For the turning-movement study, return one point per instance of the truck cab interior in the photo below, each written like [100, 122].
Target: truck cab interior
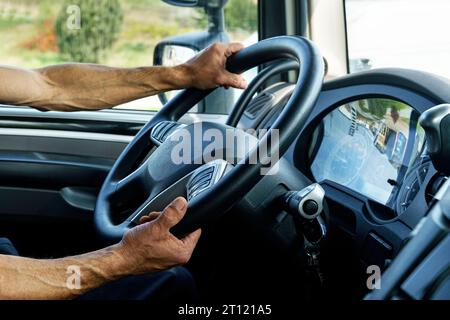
[359, 204]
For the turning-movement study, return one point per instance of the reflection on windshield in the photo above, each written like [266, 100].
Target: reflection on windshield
[365, 146]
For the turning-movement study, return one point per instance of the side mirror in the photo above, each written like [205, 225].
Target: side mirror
[183, 3]
[173, 55]
[360, 64]
[198, 3]
[170, 55]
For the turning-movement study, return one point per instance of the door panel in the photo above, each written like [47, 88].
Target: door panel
[52, 166]
[73, 143]
[49, 180]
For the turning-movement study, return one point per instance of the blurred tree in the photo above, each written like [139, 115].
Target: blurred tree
[378, 107]
[100, 22]
[240, 15]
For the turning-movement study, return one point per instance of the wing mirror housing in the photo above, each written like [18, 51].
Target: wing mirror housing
[198, 3]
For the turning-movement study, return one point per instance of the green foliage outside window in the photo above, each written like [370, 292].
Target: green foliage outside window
[240, 15]
[99, 27]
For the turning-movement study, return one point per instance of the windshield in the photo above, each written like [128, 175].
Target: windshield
[399, 33]
[118, 33]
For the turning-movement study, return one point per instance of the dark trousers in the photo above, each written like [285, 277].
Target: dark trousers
[171, 287]
[6, 247]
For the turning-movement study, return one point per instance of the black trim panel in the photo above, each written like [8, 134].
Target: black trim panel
[51, 171]
[431, 86]
[119, 122]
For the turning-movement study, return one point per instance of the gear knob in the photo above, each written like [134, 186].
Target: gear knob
[436, 123]
[307, 204]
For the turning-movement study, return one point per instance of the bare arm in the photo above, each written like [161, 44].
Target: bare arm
[73, 87]
[147, 248]
[23, 278]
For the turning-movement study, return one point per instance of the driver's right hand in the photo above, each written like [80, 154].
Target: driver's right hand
[150, 247]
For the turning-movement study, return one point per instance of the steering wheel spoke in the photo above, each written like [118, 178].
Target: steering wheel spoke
[190, 186]
[134, 180]
[128, 189]
[163, 130]
[160, 201]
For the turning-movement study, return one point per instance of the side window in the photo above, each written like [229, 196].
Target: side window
[119, 33]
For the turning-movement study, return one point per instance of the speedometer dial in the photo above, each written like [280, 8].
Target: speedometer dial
[365, 148]
[347, 159]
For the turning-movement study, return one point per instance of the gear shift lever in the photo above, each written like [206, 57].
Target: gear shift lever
[436, 122]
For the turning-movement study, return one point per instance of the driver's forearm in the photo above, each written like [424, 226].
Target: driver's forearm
[73, 87]
[23, 278]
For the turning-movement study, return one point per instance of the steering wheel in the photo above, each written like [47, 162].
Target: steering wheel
[214, 186]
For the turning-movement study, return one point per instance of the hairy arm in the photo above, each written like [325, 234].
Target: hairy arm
[72, 87]
[149, 247]
[23, 278]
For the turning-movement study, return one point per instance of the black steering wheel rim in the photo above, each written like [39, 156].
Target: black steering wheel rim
[205, 208]
[264, 75]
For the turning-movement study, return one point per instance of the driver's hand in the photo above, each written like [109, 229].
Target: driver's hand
[150, 247]
[208, 71]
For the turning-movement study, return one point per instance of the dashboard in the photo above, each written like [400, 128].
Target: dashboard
[364, 145]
